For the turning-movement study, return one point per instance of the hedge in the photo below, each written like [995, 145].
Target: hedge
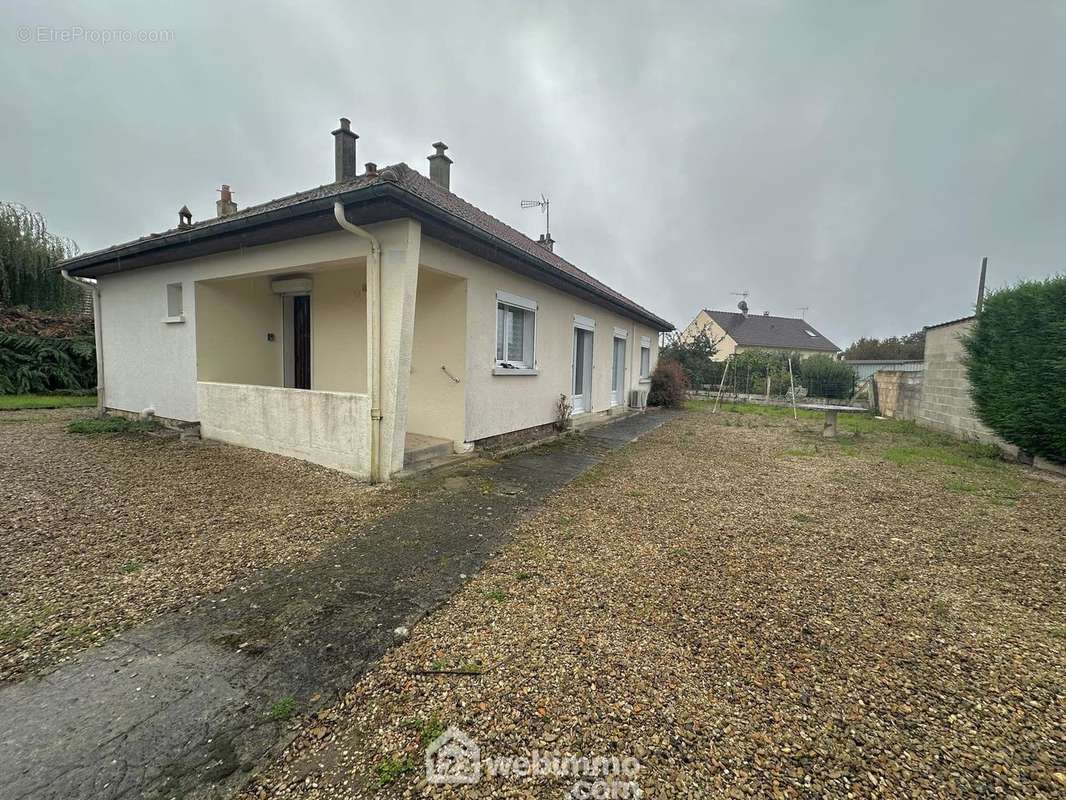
[1016, 362]
[36, 364]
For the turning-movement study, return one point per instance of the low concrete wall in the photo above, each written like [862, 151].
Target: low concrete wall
[946, 404]
[327, 428]
[899, 393]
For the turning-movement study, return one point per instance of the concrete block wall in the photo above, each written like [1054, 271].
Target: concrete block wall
[945, 394]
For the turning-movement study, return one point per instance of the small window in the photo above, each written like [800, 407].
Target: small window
[645, 357]
[175, 306]
[812, 334]
[515, 334]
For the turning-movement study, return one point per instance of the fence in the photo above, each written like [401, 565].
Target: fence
[766, 377]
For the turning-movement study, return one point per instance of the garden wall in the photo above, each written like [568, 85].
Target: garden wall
[899, 393]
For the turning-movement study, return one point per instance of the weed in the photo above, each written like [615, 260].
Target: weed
[634, 493]
[131, 567]
[13, 634]
[523, 576]
[803, 518]
[391, 768]
[799, 452]
[498, 595]
[487, 485]
[282, 709]
[111, 425]
[958, 485]
[428, 729]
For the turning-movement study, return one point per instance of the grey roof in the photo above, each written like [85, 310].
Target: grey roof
[404, 177]
[760, 330]
[950, 322]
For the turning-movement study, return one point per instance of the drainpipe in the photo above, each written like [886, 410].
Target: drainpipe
[94, 287]
[373, 311]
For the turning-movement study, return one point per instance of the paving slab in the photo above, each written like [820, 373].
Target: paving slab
[189, 704]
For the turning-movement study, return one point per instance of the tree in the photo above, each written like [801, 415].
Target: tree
[28, 256]
[1016, 363]
[696, 357]
[909, 347]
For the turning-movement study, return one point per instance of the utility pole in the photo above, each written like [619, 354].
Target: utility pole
[981, 284]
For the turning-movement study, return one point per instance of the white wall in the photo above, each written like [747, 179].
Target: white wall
[327, 428]
[149, 363]
[498, 404]
[436, 403]
[338, 329]
[234, 320]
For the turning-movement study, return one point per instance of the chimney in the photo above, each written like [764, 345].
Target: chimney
[371, 169]
[344, 150]
[225, 204]
[184, 217]
[440, 166]
[547, 242]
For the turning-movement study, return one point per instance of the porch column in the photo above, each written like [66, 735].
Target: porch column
[400, 245]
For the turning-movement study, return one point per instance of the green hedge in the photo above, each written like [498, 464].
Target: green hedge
[1016, 361]
[35, 364]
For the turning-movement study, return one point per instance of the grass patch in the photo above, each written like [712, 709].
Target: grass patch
[803, 518]
[523, 576]
[392, 768]
[959, 485]
[427, 729]
[965, 455]
[282, 709]
[130, 568]
[13, 634]
[111, 425]
[499, 595]
[13, 402]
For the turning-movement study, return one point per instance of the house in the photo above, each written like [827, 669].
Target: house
[733, 332]
[347, 324]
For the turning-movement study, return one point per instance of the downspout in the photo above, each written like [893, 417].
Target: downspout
[94, 287]
[373, 311]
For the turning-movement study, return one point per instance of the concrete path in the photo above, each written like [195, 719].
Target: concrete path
[181, 707]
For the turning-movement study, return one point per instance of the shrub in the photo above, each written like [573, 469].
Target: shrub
[37, 364]
[696, 357]
[822, 376]
[668, 385]
[1016, 362]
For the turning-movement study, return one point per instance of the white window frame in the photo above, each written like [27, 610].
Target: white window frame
[174, 312]
[507, 367]
[645, 344]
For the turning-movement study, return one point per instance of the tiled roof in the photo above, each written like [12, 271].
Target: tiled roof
[425, 189]
[760, 330]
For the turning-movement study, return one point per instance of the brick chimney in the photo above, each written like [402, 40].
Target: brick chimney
[440, 166]
[344, 151]
[547, 242]
[225, 204]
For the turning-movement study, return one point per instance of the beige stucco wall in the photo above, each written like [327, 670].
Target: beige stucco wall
[234, 319]
[497, 404]
[436, 403]
[327, 428]
[338, 329]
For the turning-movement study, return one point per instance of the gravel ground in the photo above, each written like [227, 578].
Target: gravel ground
[100, 532]
[748, 611]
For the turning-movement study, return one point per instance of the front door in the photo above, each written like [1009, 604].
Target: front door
[301, 341]
[582, 370]
[618, 372]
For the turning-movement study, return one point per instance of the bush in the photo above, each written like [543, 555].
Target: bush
[38, 364]
[823, 376]
[668, 385]
[696, 357]
[1016, 362]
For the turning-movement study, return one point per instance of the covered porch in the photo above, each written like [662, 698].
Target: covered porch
[285, 362]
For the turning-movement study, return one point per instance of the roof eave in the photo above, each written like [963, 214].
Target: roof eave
[316, 216]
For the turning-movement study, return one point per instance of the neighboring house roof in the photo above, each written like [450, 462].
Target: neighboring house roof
[760, 330]
[395, 190]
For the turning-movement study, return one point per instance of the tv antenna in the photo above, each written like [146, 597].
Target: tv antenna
[743, 304]
[542, 204]
[803, 311]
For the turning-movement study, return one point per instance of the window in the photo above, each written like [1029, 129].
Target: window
[175, 306]
[812, 334]
[515, 332]
[645, 357]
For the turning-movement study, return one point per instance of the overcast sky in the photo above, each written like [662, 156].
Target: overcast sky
[855, 157]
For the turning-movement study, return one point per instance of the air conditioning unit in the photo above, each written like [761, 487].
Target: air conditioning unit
[638, 398]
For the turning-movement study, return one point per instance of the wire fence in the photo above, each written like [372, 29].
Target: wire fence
[769, 376]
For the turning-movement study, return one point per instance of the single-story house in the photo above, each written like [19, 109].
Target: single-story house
[346, 324]
[733, 332]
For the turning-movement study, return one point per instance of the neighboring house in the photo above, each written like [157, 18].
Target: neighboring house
[733, 332]
[331, 324]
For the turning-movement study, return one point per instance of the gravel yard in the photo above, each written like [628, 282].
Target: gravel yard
[100, 532]
[748, 611]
